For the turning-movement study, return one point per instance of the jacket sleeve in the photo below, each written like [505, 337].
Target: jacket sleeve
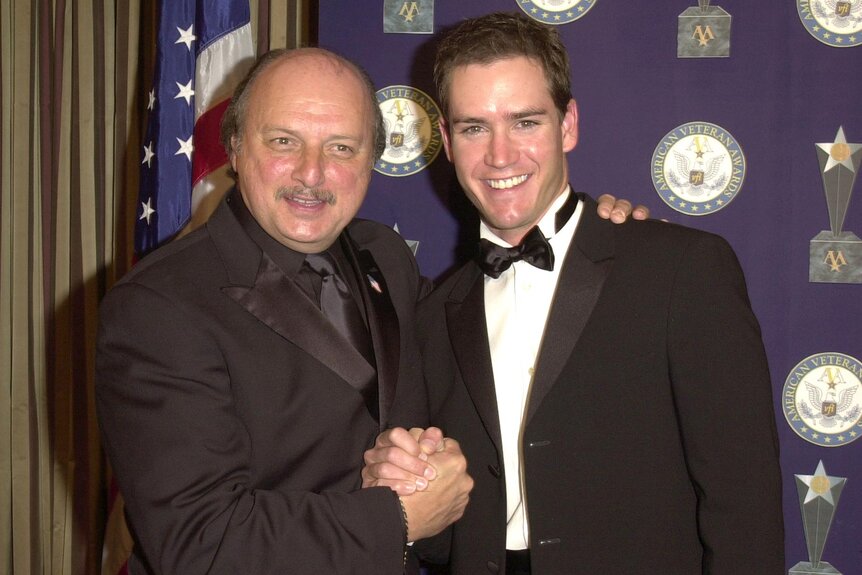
[181, 454]
[723, 397]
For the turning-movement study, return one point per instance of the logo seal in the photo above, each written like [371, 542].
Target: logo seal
[412, 121]
[698, 168]
[822, 400]
[836, 23]
[555, 11]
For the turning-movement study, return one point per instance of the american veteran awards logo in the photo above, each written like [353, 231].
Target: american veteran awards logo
[556, 11]
[698, 168]
[836, 23]
[412, 121]
[822, 400]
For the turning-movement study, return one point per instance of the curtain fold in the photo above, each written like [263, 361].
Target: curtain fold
[72, 108]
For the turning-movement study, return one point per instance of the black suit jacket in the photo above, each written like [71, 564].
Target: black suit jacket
[649, 444]
[228, 413]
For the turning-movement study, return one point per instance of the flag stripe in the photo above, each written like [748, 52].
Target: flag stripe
[209, 153]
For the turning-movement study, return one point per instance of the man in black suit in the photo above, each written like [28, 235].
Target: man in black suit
[234, 410]
[608, 384]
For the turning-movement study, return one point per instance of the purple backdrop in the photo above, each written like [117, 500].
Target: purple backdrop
[779, 93]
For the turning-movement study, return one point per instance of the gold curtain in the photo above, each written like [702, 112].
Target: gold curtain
[72, 78]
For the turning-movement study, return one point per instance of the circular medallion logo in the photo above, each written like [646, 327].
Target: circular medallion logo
[822, 400]
[836, 23]
[698, 168]
[555, 11]
[412, 121]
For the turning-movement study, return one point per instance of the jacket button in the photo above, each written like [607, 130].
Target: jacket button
[553, 541]
[495, 470]
[539, 443]
[493, 567]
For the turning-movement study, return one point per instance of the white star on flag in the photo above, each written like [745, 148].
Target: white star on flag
[186, 36]
[151, 103]
[185, 92]
[147, 210]
[186, 148]
[148, 155]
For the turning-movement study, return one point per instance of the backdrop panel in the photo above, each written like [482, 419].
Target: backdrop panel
[780, 92]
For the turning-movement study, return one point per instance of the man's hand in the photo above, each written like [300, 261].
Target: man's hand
[430, 511]
[430, 469]
[618, 211]
[399, 459]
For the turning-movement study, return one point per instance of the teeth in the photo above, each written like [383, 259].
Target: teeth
[507, 183]
[306, 201]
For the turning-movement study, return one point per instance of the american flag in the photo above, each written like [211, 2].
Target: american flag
[203, 51]
[204, 48]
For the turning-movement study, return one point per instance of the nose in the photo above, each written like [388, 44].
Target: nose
[501, 152]
[309, 168]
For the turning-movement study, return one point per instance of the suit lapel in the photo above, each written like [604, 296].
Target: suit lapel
[259, 286]
[586, 265]
[465, 319]
[277, 302]
[382, 322]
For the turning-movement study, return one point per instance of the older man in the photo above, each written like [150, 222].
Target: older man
[242, 370]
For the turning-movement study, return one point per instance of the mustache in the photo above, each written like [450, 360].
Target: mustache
[303, 193]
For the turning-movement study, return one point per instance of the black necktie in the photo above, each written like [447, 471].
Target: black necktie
[533, 249]
[339, 307]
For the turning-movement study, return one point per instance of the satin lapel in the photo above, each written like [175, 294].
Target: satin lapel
[587, 264]
[277, 302]
[382, 323]
[468, 333]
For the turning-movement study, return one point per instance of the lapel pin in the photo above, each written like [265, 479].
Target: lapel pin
[374, 284]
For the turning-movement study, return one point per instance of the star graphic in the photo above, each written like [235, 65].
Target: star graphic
[186, 36]
[821, 486]
[412, 244]
[408, 17]
[151, 103]
[840, 152]
[148, 155]
[147, 210]
[186, 148]
[185, 92]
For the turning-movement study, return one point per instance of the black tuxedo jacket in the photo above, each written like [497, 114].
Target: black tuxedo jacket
[649, 443]
[229, 415]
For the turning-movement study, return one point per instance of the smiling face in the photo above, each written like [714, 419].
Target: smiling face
[508, 143]
[304, 155]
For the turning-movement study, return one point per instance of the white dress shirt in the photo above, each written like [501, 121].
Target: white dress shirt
[516, 310]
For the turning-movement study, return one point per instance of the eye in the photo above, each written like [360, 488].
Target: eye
[526, 124]
[343, 150]
[281, 141]
[471, 130]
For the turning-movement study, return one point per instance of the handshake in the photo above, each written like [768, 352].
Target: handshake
[427, 471]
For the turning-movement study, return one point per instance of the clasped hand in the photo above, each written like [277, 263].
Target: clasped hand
[428, 471]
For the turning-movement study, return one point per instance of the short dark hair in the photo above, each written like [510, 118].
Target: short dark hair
[234, 116]
[498, 36]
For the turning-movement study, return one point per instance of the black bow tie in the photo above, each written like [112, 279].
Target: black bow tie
[533, 249]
